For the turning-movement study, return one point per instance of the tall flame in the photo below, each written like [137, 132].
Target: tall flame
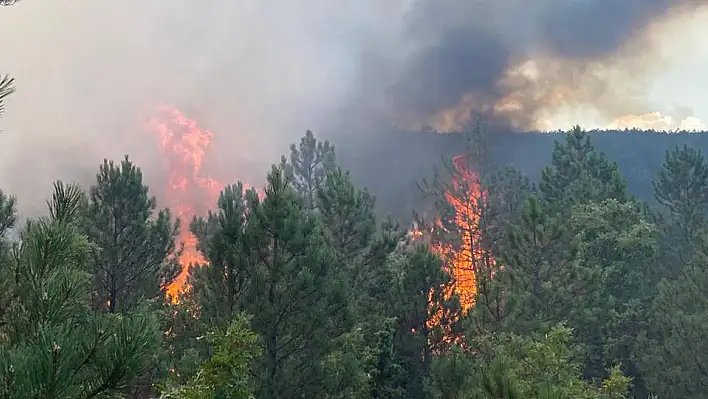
[188, 192]
[462, 258]
[466, 257]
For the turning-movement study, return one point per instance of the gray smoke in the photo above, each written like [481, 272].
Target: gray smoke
[259, 73]
[89, 73]
[469, 46]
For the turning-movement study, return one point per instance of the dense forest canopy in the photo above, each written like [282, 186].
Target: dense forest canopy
[562, 286]
[563, 265]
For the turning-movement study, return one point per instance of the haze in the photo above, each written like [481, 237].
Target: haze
[255, 73]
[259, 73]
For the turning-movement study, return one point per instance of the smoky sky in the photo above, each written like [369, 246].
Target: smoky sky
[258, 74]
[468, 46]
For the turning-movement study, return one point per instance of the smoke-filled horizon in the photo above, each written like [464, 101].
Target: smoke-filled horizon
[258, 74]
[517, 64]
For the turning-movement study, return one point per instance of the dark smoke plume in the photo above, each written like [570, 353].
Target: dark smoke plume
[469, 48]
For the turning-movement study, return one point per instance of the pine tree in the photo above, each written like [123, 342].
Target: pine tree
[428, 319]
[515, 366]
[672, 351]
[580, 174]
[137, 257]
[536, 261]
[299, 303]
[8, 220]
[506, 194]
[347, 214]
[307, 166]
[217, 288]
[347, 217]
[469, 228]
[214, 296]
[615, 282]
[594, 268]
[584, 252]
[452, 375]
[387, 376]
[226, 374]
[682, 186]
[682, 189]
[507, 191]
[54, 344]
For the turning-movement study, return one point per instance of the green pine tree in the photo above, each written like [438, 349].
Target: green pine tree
[8, 220]
[307, 166]
[580, 174]
[387, 375]
[226, 374]
[584, 252]
[218, 286]
[682, 189]
[419, 296]
[137, 257]
[348, 214]
[672, 351]
[514, 366]
[54, 344]
[615, 282]
[536, 261]
[299, 302]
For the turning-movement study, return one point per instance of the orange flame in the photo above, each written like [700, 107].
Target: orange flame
[184, 146]
[463, 259]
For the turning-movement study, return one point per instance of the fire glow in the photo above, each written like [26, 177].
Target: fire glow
[188, 192]
[465, 257]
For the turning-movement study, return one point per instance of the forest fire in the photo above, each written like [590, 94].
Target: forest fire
[464, 256]
[188, 192]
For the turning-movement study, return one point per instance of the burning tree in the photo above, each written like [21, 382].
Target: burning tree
[468, 226]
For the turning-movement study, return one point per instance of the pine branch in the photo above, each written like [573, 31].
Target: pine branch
[7, 83]
[66, 203]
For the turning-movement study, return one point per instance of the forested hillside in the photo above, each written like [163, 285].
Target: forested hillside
[569, 288]
[638, 153]
[478, 265]
[394, 161]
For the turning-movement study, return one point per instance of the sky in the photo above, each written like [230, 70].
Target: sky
[88, 72]
[678, 90]
[259, 73]
[684, 81]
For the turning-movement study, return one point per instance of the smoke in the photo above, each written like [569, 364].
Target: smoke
[259, 73]
[516, 63]
[89, 73]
